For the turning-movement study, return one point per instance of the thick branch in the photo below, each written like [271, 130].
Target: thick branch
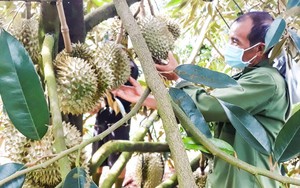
[125, 146]
[102, 13]
[59, 143]
[156, 85]
[198, 136]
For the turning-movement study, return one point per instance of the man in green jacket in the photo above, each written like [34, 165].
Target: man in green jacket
[262, 93]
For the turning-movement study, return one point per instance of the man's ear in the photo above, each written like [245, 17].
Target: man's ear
[260, 49]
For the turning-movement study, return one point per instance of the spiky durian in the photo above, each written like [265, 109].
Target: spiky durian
[42, 150]
[26, 31]
[111, 56]
[14, 142]
[77, 84]
[158, 38]
[149, 170]
[116, 30]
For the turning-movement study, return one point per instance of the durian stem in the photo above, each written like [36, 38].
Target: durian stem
[124, 146]
[142, 8]
[64, 153]
[119, 164]
[59, 143]
[155, 83]
[151, 8]
[64, 26]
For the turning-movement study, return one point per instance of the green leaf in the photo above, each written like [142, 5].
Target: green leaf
[274, 33]
[190, 143]
[187, 104]
[21, 90]
[292, 3]
[173, 3]
[7, 170]
[248, 127]
[277, 49]
[78, 178]
[287, 142]
[200, 75]
[295, 38]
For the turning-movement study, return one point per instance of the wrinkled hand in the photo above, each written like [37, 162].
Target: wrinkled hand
[129, 93]
[168, 69]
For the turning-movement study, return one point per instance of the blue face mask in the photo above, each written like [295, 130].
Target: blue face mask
[234, 56]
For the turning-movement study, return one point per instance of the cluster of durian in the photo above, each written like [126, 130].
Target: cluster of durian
[22, 150]
[160, 34]
[84, 76]
[149, 170]
[26, 31]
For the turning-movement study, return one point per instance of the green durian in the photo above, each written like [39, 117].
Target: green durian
[158, 38]
[113, 65]
[77, 85]
[26, 31]
[172, 25]
[149, 170]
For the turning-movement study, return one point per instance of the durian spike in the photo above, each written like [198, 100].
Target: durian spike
[64, 26]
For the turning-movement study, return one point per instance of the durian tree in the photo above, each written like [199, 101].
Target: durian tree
[65, 65]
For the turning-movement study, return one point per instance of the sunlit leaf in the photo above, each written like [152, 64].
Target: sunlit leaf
[7, 170]
[295, 38]
[292, 3]
[78, 178]
[21, 90]
[187, 104]
[200, 75]
[274, 33]
[248, 127]
[287, 142]
[190, 143]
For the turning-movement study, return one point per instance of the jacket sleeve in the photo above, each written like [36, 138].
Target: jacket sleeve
[254, 93]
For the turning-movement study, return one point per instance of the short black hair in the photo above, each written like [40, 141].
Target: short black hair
[261, 23]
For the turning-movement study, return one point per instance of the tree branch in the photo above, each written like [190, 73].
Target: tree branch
[102, 13]
[125, 146]
[59, 140]
[160, 93]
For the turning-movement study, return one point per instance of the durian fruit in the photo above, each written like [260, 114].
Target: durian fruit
[115, 30]
[26, 31]
[149, 170]
[14, 142]
[77, 85]
[113, 65]
[38, 152]
[173, 26]
[43, 150]
[158, 38]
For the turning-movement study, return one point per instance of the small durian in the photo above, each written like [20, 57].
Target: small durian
[26, 31]
[111, 56]
[115, 30]
[157, 36]
[77, 85]
[149, 170]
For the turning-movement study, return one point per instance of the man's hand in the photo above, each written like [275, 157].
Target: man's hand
[168, 69]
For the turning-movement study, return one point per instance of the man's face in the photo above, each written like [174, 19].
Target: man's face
[238, 37]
